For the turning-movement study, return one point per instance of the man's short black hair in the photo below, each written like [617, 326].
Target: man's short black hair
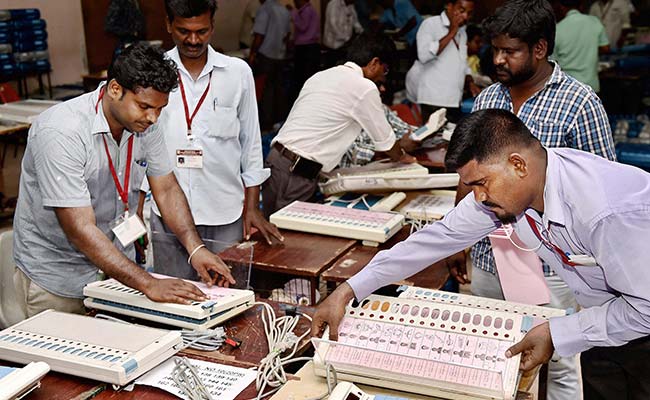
[527, 20]
[144, 66]
[368, 46]
[473, 31]
[485, 134]
[189, 8]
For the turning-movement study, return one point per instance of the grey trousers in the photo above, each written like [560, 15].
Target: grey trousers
[284, 187]
[169, 255]
[564, 380]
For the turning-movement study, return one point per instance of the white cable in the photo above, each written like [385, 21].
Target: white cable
[521, 248]
[282, 344]
[188, 380]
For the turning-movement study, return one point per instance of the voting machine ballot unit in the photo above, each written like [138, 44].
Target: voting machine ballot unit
[99, 349]
[419, 346]
[224, 303]
[16, 383]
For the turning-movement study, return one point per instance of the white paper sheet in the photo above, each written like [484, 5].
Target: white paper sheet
[223, 381]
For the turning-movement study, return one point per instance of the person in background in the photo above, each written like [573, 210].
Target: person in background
[306, 31]
[474, 45]
[401, 15]
[615, 16]
[341, 23]
[247, 21]
[75, 209]
[268, 57]
[217, 96]
[333, 107]
[579, 39]
[560, 112]
[440, 72]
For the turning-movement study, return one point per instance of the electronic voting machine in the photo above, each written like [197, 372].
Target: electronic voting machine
[16, 383]
[93, 348]
[432, 343]
[224, 303]
[372, 227]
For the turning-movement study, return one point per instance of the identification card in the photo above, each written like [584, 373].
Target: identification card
[128, 228]
[189, 158]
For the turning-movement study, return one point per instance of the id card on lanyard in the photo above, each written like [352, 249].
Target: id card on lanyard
[127, 227]
[191, 156]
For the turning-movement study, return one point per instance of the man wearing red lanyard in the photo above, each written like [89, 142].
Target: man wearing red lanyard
[75, 209]
[212, 134]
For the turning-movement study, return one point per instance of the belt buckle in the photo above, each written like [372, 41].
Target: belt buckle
[295, 163]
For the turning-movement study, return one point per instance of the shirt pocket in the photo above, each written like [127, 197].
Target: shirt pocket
[550, 133]
[138, 172]
[223, 123]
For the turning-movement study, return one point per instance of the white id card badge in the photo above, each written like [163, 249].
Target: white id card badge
[128, 228]
[189, 158]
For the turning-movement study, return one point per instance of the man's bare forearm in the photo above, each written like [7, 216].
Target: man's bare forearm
[81, 230]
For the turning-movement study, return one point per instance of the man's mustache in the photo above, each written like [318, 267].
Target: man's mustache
[490, 204]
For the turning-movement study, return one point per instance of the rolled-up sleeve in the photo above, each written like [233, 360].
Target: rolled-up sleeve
[428, 39]
[60, 161]
[158, 161]
[620, 246]
[252, 168]
[461, 228]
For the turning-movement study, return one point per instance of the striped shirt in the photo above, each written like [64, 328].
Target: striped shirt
[565, 113]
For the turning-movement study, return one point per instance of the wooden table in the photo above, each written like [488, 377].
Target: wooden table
[359, 256]
[301, 254]
[246, 327]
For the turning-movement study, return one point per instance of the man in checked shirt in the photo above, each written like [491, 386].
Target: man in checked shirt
[560, 112]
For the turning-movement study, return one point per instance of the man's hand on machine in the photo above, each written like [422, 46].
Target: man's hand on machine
[330, 312]
[536, 347]
[211, 268]
[173, 291]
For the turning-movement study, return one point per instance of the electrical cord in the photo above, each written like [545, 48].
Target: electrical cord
[187, 378]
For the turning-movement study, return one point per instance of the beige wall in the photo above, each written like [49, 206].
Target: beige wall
[228, 20]
[65, 36]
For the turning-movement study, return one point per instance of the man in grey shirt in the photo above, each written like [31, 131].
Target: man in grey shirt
[84, 161]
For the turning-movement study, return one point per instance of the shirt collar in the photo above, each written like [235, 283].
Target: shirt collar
[445, 18]
[354, 66]
[215, 60]
[572, 12]
[553, 191]
[100, 124]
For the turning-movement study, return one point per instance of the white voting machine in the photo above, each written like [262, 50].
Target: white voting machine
[384, 176]
[103, 350]
[419, 346]
[224, 303]
[372, 227]
[16, 383]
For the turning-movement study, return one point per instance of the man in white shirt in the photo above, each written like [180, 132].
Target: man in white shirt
[341, 23]
[331, 110]
[615, 15]
[440, 71]
[213, 136]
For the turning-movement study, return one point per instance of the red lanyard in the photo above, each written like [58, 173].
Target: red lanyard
[122, 191]
[188, 118]
[563, 256]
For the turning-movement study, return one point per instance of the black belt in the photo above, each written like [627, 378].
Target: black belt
[300, 166]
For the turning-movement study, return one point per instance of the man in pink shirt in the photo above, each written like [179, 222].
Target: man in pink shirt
[306, 26]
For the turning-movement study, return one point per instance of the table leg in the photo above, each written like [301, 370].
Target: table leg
[314, 285]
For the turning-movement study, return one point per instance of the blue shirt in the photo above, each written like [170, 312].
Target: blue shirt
[592, 207]
[399, 15]
[565, 113]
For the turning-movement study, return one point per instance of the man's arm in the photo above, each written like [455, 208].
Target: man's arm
[461, 227]
[410, 24]
[80, 228]
[259, 31]
[176, 213]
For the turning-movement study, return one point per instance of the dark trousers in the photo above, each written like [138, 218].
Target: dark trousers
[284, 187]
[617, 373]
[273, 104]
[307, 63]
[453, 113]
